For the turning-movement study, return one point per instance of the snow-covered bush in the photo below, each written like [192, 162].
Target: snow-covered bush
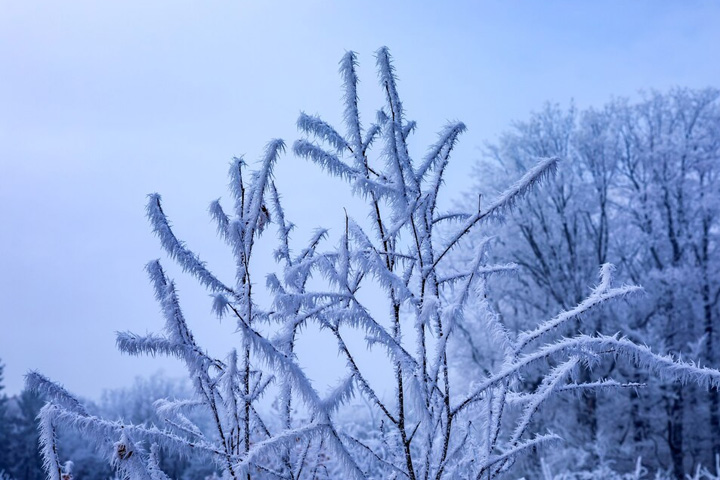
[427, 428]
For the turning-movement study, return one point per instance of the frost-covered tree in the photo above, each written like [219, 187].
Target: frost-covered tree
[22, 459]
[558, 236]
[428, 427]
[639, 188]
[670, 176]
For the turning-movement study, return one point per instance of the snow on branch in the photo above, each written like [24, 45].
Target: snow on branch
[665, 366]
[601, 294]
[176, 249]
[440, 151]
[517, 450]
[340, 395]
[221, 219]
[396, 149]
[54, 392]
[386, 73]
[328, 161]
[149, 344]
[154, 469]
[48, 441]
[588, 348]
[483, 271]
[255, 212]
[371, 136]
[351, 115]
[548, 386]
[165, 293]
[237, 185]
[542, 170]
[313, 125]
[371, 261]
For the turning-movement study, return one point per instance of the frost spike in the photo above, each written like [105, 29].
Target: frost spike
[177, 250]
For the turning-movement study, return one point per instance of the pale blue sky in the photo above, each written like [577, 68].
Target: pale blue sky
[104, 102]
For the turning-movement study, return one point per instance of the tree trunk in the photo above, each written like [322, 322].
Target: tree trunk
[675, 431]
[714, 397]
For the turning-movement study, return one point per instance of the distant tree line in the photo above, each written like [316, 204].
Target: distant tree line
[20, 458]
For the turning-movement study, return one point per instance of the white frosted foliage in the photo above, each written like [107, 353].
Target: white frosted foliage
[426, 426]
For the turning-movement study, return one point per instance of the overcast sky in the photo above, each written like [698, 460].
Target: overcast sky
[102, 102]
